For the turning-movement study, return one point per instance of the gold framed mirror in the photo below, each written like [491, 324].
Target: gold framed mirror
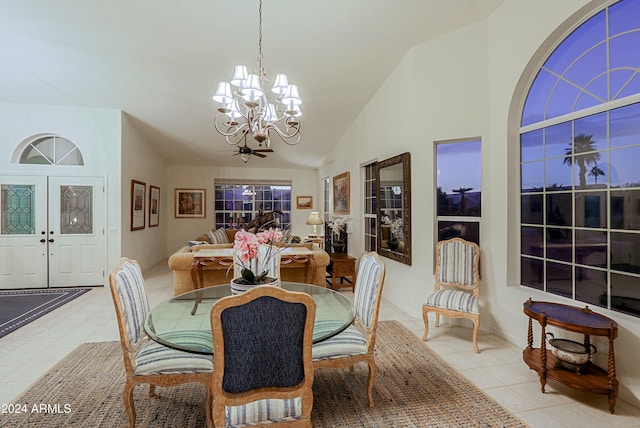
[393, 178]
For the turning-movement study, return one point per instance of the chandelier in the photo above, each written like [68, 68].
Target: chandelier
[247, 109]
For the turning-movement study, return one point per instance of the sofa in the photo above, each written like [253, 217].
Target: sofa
[181, 261]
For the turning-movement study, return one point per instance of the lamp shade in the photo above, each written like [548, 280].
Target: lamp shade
[252, 91]
[239, 76]
[280, 87]
[314, 219]
[292, 95]
[223, 94]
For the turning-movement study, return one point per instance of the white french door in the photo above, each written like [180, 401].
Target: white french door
[51, 232]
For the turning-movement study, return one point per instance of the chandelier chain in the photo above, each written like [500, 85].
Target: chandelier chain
[263, 74]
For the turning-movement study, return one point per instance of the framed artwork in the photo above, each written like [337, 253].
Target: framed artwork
[341, 193]
[304, 202]
[154, 206]
[190, 203]
[138, 189]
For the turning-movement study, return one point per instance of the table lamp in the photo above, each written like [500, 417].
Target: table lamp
[315, 220]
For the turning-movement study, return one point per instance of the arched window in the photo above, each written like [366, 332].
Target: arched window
[51, 150]
[579, 157]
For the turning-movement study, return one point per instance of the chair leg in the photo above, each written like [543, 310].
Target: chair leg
[437, 319]
[476, 328]
[425, 317]
[152, 390]
[127, 397]
[208, 412]
[371, 380]
[219, 415]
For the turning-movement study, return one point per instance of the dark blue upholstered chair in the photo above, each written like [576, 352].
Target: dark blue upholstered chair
[263, 370]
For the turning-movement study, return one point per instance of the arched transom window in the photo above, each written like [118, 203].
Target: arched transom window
[51, 150]
[579, 157]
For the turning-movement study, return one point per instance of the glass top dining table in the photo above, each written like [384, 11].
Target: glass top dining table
[183, 321]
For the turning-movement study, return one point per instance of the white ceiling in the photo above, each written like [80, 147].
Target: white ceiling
[160, 61]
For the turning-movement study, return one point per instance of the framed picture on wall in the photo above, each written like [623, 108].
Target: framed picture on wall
[190, 203]
[138, 189]
[304, 202]
[341, 193]
[154, 206]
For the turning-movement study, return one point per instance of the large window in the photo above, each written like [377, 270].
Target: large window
[579, 151]
[370, 208]
[236, 204]
[459, 189]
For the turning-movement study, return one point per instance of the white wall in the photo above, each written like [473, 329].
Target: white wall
[461, 85]
[96, 132]
[141, 162]
[180, 230]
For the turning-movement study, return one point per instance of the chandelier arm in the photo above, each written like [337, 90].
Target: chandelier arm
[239, 137]
[291, 132]
[221, 123]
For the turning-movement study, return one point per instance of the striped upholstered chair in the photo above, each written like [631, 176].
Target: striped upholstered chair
[262, 358]
[456, 288]
[146, 361]
[357, 342]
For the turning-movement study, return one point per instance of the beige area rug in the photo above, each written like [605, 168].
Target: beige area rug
[414, 388]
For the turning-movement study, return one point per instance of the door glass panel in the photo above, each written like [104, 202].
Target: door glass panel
[76, 210]
[18, 209]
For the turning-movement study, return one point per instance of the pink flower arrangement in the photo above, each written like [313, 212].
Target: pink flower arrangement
[246, 244]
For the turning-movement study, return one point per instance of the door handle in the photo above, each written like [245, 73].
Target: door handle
[51, 240]
[43, 240]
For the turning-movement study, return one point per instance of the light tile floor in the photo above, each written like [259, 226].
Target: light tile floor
[28, 353]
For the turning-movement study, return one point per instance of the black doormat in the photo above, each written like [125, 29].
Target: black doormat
[19, 307]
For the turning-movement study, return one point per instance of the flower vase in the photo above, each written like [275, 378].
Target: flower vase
[393, 245]
[238, 286]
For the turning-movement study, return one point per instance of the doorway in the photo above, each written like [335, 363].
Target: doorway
[51, 231]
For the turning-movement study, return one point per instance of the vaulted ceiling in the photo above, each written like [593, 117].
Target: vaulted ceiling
[159, 61]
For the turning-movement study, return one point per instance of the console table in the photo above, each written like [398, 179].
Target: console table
[592, 378]
[224, 257]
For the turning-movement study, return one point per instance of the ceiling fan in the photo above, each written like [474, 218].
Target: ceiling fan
[246, 151]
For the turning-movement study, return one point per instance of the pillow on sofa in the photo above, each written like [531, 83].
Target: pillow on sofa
[218, 237]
